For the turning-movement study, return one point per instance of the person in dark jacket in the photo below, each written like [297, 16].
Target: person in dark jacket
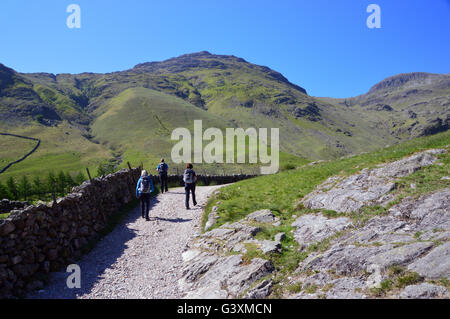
[143, 190]
[189, 178]
[162, 170]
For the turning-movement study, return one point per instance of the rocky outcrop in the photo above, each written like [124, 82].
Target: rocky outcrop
[369, 187]
[427, 213]
[435, 265]
[215, 265]
[413, 236]
[38, 239]
[314, 228]
[424, 291]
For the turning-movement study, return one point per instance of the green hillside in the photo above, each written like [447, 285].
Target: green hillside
[85, 119]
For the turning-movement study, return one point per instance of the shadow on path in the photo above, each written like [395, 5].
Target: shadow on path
[172, 220]
[94, 264]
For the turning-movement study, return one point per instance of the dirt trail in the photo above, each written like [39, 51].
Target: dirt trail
[138, 259]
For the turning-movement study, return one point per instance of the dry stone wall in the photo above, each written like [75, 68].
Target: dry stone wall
[42, 238]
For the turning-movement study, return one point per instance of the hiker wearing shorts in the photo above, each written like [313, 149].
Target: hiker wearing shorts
[162, 170]
[189, 178]
[143, 190]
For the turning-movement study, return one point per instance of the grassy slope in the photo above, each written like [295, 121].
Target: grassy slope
[12, 148]
[152, 116]
[62, 148]
[281, 193]
[222, 90]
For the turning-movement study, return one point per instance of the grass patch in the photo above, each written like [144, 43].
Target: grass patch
[294, 288]
[408, 278]
[385, 286]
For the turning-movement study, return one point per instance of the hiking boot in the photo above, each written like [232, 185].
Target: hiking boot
[195, 204]
[147, 219]
[187, 208]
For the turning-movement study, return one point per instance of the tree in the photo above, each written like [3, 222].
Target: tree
[4, 194]
[24, 188]
[61, 183]
[69, 182]
[51, 183]
[80, 178]
[12, 188]
[105, 168]
[38, 186]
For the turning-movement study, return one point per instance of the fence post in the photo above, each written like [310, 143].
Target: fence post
[53, 193]
[89, 174]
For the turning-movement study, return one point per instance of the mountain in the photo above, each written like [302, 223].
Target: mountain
[408, 105]
[85, 118]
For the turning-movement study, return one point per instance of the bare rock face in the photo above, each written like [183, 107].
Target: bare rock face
[369, 187]
[262, 216]
[344, 260]
[213, 270]
[226, 277]
[434, 265]
[429, 212]
[314, 228]
[424, 291]
[261, 290]
[400, 255]
[346, 288]
[414, 235]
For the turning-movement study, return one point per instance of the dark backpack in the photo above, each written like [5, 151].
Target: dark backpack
[145, 185]
[162, 168]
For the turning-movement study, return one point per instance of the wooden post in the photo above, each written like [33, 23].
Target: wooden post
[89, 174]
[53, 194]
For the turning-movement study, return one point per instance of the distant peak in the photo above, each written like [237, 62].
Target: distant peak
[412, 79]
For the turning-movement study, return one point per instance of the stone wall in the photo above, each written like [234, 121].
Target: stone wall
[7, 205]
[37, 239]
[43, 238]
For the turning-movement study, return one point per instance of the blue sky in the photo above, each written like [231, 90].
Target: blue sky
[321, 45]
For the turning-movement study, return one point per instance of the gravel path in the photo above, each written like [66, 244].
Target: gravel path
[138, 259]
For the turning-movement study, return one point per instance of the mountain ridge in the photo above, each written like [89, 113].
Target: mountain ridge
[224, 86]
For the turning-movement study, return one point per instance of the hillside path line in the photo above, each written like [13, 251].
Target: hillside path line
[139, 258]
